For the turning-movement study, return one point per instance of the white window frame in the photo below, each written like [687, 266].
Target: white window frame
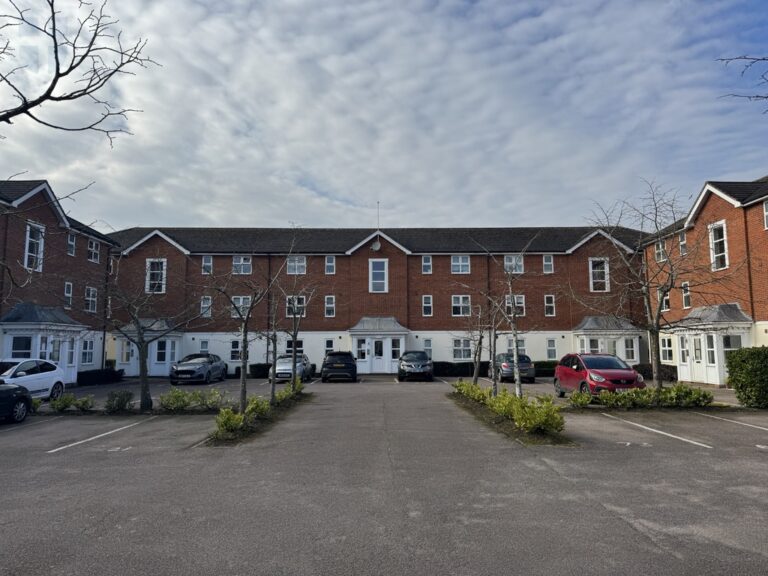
[300, 302]
[295, 265]
[25, 352]
[427, 344]
[660, 250]
[204, 346]
[519, 304]
[682, 242]
[34, 249]
[71, 351]
[665, 345]
[462, 349]
[234, 351]
[91, 299]
[462, 302]
[71, 244]
[714, 255]
[520, 346]
[206, 306]
[426, 264]
[94, 248]
[149, 282]
[206, 265]
[685, 288]
[68, 294]
[241, 303]
[299, 347]
[514, 263]
[86, 352]
[663, 300]
[765, 214]
[427, 308]
[549, 302]
[126, 351]
[607, 274]
[711, 353]
[330, 265]
[629, 350]
[551, 348]
[329, 344]
[161, 352]
[548, 264]
[461, 264]
[330, 306]
[371, 281]
[396, 348]
[242, 265]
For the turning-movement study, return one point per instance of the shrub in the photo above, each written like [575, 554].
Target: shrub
[682, 396]
[36, 402]
[580, 399]
[175, 400]
[472, 391]
[608, 399]
[105, 376]
[537, 415]
[643, 397]
[546, 367]
[85, 403]
[118, 401]
[259, 370]
[208, 399]
[228, 423]
[748, 376]
[63, 402]
[258, 408]
[677, 396]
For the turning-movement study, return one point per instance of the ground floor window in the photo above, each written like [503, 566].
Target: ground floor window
[629, 349]
[594, 346]
[234, 353]
[299, 347]
[428, 347]
[711, 349]
[203, 346]
[697, 349]
[161, 352]
[520, 345]
[362, 349]
[329, 345]
[684, 351]
[126, 354]
[71, 352]
[462, 348]
[666, 349]
[395, 348]
[551, 349]
[87, 352]
[21, 347]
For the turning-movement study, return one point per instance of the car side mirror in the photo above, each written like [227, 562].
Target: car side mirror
[19, 374]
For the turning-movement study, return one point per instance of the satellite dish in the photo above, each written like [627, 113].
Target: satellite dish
[376, 246]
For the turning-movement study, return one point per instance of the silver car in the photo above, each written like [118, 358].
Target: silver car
[505, 368]
[198, 368]
[283, 367]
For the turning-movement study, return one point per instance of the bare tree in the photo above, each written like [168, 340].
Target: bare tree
[298, 294]
[750, 65]
[85, 51]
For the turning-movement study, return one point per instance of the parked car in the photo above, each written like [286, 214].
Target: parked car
[41, 378]
[198, 367]
[339, 365]
[283, 367]
[415, 364]
[15, 402]
[594, 373]
[504, 364]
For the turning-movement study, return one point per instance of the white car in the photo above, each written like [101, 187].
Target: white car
[43, 379]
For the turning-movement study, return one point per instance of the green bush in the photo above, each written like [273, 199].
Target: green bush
[175, 400]
[211, 399]
[580, 399]
[258, 408]
[63, 402]
[84, 404]
[472, 391]
[228, 423]
[748, 376]
[546, 367]
[682, 396]
[118, 401]
[36, 403]
[677, 396]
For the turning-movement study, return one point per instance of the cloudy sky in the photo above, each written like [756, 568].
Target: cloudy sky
[448, 113]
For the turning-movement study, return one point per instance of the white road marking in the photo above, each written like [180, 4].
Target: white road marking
[761, 446]
[657, 431]
[443, 381]
[100, 435]
[28, 425]
[200, 443]
[732, 421]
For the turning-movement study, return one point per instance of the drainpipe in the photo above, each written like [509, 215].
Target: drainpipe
[104, 313]
[749, 267]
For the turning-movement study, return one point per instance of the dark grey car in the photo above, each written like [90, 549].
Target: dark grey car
[415, 364]
[505, 368]
[15, 402]
[198, 368]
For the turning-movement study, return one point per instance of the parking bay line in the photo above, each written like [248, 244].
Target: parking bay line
[47, 419]
[100, 435]
[657, 431]
[732, 421]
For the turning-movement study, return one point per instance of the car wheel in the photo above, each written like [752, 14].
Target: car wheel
[559, 392]
[19, 412]
[223, 375]
[584, 388]
[208, 377]
[56, 391]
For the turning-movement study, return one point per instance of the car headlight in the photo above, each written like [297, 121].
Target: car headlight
[640, 378]
[596, 377]
[174, 367]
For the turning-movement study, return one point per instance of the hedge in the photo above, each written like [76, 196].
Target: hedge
[546, 367]
[459, 368]
[259, 370]
[748, 376]
[668, 373]
[101, 376]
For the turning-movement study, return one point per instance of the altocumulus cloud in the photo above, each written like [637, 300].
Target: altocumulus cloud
[451, 113]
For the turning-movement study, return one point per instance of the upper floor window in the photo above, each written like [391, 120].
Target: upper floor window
[378, 275]
[661, 250]
[91, 299]
[686, 289]
[71, 244]
[519, 309]
[765, 214]
[513, 263]
[330, 265]
[460, 264]
[240, 305]
[206, 303]
[599, 279]
[426, 305]
[33, 252]
[426, 264]
[682, 241]
[296, 265]
[67, 295]
[207, 265]
[718, 245]
[666, 350]
[663, 300]
[295, 306]
[241, 265]
[154, 282]
[548, 264]
[461, 305]
[549, 305]
[93, 251]
[330, 306]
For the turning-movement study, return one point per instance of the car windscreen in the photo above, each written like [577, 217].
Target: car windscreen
[197, 360]
[194, 358]
[6, 367]
[338, 358]
[605, 363]
[522, 358]
[415, 357]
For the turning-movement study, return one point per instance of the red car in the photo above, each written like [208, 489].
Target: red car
[594, 373]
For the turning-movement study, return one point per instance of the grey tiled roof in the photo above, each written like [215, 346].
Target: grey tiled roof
[339, 240]
[716, 314]
[85, 229]
[613, 323]
[383, 324]
[744, 192]
[12, 190]
[29, 313]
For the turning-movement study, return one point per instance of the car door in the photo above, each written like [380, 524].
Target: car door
[569, 376]
[31, 379]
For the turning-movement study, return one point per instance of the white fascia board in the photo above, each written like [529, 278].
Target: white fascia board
[44, 187]
[706, 190]
[371, 237]
[602, 233]
[158, 233]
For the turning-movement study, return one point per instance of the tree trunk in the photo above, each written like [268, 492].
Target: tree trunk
[653, 344]
[293, 362]
[146, 397]
[516, 363]
[477, 356]
[273, 371]
[492, 365]
[243, 367]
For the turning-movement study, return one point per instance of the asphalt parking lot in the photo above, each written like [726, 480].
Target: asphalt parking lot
[379, 477]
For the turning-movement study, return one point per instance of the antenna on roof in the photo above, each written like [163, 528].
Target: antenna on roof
[378, 225]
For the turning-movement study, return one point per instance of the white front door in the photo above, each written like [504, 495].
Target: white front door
[379, 358]
[684, 367]
[698, 370]
[363, 356]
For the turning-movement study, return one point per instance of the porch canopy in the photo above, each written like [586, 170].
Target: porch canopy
[716, 316]
[383, 325]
